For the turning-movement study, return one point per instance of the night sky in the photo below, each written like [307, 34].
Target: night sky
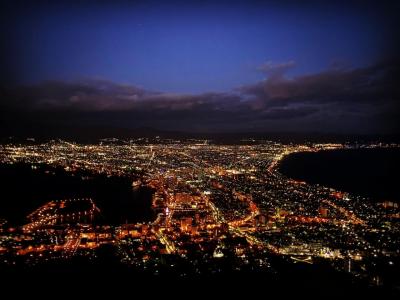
[199, 66]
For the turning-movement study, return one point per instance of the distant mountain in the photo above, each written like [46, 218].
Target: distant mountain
[92, 133]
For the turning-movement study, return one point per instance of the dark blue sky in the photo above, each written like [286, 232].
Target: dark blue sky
[193, 47]
[212, 66]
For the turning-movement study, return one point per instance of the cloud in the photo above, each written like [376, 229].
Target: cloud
[371, 84]
[91, 95]
[288, 113]
[276, 70]
[337, 99]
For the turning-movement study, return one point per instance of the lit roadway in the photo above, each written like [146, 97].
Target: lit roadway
[164, 240]
[351, 216]
[218, 217]
[252, 240]
[72, 243]
[254, 212]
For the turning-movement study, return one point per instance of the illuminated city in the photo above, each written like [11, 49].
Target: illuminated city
[240, 146]
[212, 203]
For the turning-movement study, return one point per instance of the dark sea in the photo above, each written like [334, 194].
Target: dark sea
[373, 173]
[23, 189]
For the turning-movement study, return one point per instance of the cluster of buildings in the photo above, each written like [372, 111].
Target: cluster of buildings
[219, 208]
